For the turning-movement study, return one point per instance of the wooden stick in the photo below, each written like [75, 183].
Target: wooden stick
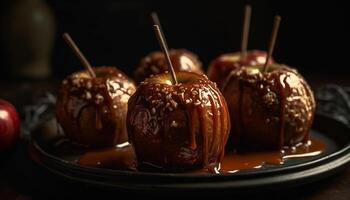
[245, 31]
[78, 53]
[275, 28]
[156, 21]
[164, 47]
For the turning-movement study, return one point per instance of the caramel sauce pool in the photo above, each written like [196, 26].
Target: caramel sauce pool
[234, 162]
[123, 158]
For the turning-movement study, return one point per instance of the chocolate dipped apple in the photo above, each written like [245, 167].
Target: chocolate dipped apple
[269, 109]
[178, 126]
[155, 63]
[92, 110]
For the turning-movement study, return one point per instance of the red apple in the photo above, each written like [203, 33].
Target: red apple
[9, 125]
[221, 67]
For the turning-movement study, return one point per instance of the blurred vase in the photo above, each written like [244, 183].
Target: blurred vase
[29, 30]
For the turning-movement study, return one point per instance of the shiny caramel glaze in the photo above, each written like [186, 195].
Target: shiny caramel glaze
[178, 127]
[234, 162]
[155, 63]
[92, 111]
[270, 109]
[121, 157]
[221, 67]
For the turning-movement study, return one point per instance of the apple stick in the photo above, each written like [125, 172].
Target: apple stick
[245, 30]
[164, 47]
[275, 28]
[79, 54]
[156, 21]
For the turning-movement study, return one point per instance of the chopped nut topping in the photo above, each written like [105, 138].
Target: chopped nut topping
[99, 98]
[88, 95]
[174, 124]
[173, 103]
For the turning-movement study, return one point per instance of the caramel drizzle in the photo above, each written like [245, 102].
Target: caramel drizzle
[215, 124]
[113, 114]
[240, 113]
[223, 88]
[310, 95]
[193, 142]
[223, 130]
[283, 100]
[204, 129]
[98, 119]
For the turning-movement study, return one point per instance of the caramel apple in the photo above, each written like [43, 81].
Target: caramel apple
[269, 109]
[92, 110]
[221, 67]
[155, 63]
[178, 126]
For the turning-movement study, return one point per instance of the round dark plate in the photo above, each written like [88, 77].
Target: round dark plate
[293, 172]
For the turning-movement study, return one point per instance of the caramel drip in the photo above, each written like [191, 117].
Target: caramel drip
[163, 147]
[204, 129]
[225, 129]
[227, 80]
[239, 123]
[282, 109]
[216, 124]
[222, 130]
[310, 95]
[98, 119]
[76, 116]
[114, 116]
[193, 142]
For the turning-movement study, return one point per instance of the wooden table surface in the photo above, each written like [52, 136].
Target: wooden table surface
[21, 179]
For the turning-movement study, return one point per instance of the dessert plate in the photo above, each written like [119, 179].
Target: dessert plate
[333, 133]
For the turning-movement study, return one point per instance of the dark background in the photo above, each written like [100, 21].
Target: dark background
[313, 36]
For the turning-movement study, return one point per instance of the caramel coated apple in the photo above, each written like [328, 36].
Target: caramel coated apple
[178, 127]
[269, 110]
[221, 67]
[155, 63]
[92, 111]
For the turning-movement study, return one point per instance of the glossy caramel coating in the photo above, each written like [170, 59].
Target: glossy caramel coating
[155, 63]
[92, 111]
[221, 67]
[270, 109]
[178, 127]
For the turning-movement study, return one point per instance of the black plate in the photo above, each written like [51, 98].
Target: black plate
[294, 172]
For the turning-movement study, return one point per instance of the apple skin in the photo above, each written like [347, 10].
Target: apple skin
[221, 67]
[269, 110]
[9, 125]
[178, 127]
[155, 63]
[92, 111]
